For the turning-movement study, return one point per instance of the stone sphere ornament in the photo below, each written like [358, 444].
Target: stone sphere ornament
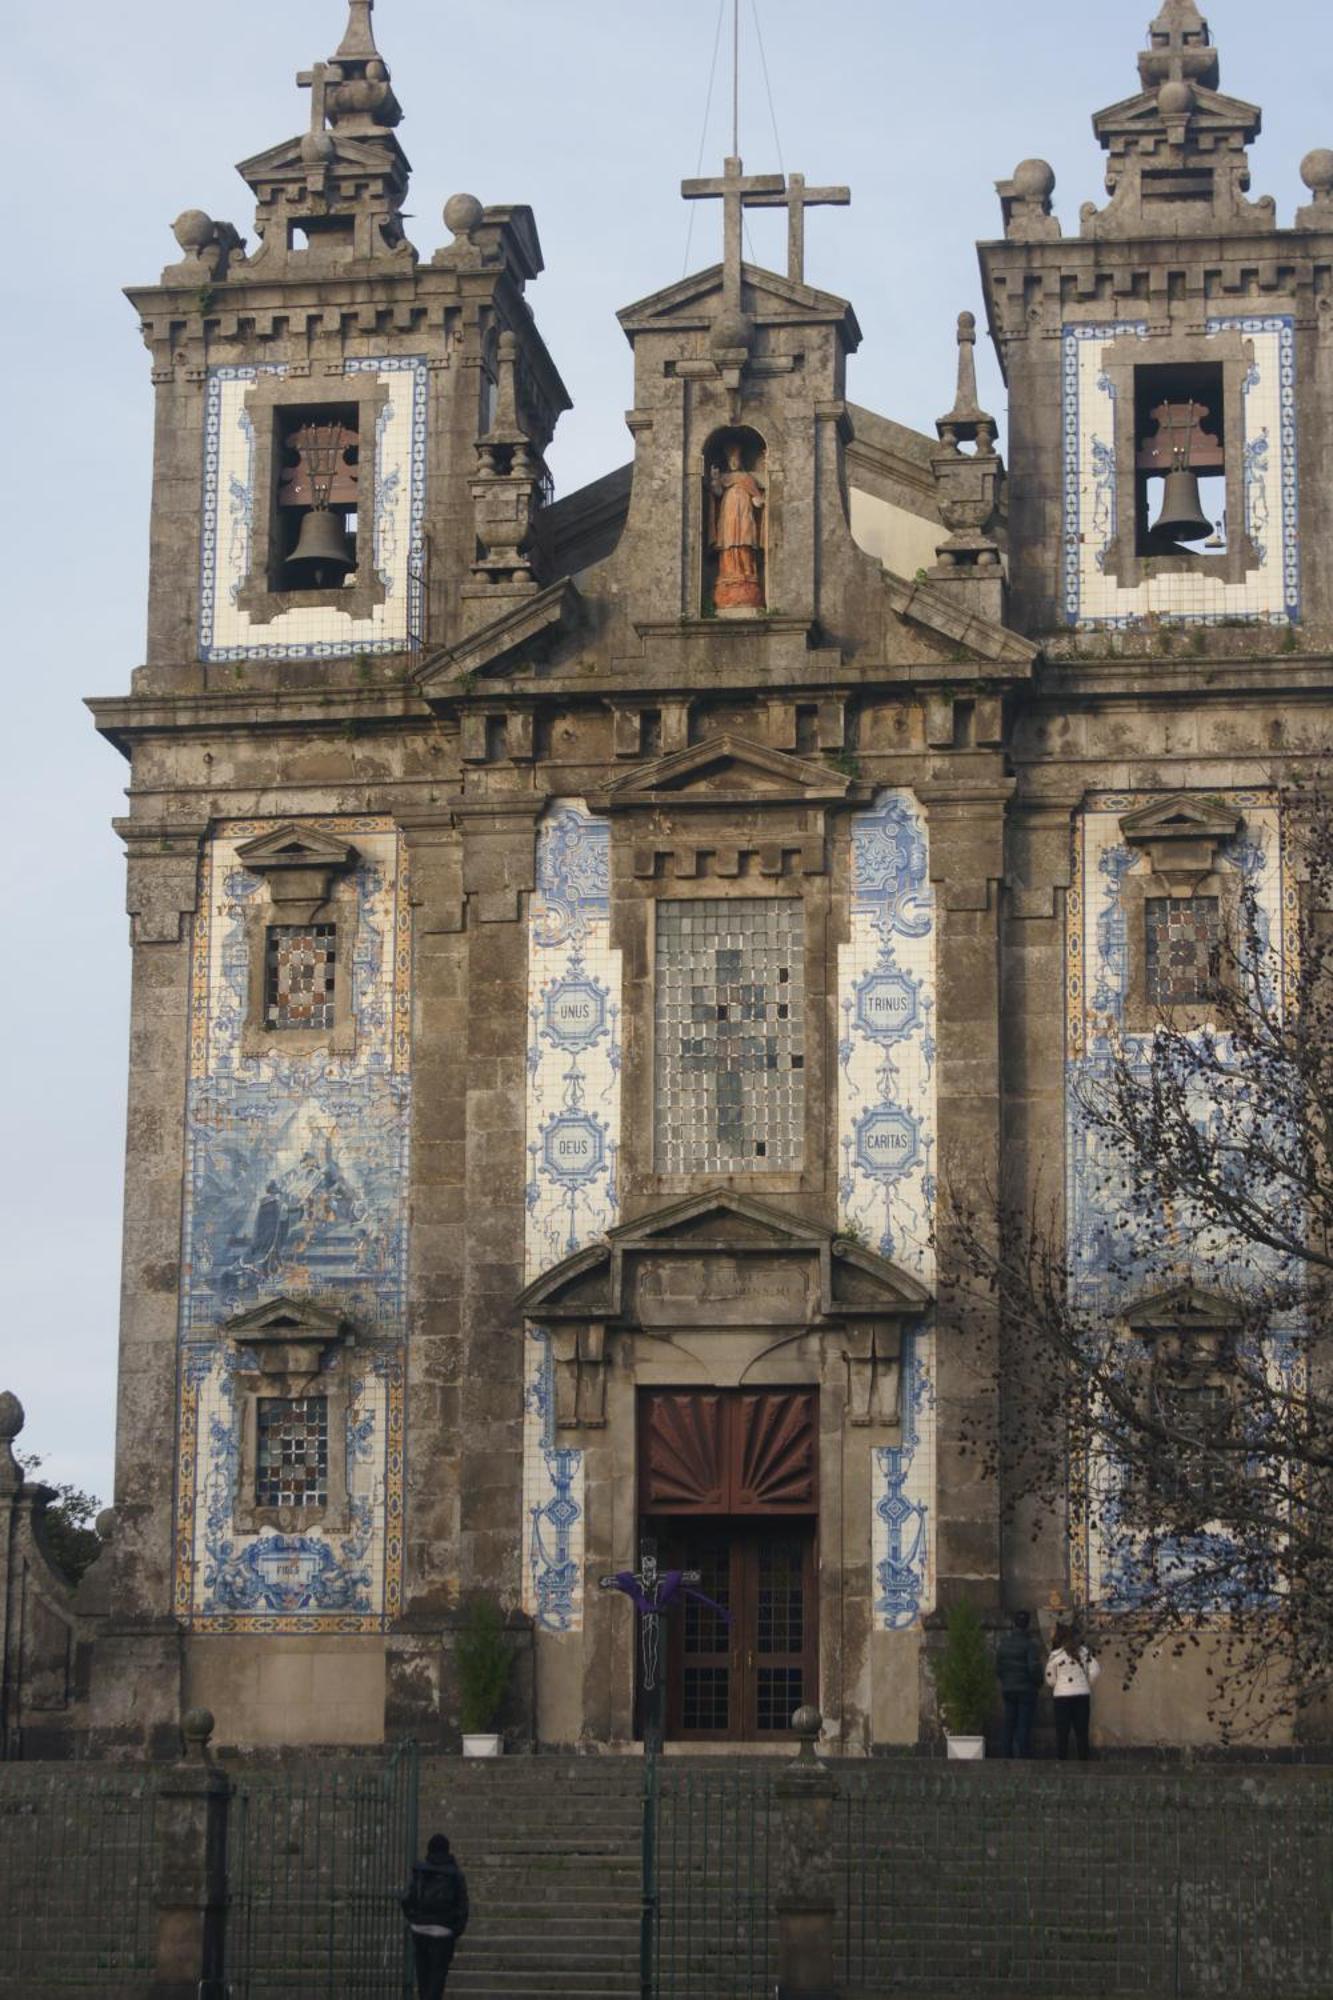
[807, 1723]
[11, 1415]
[1034, 180]
[462, 213]
[1317, 170]
[1175, 98]
[317, 148]
[731, 329]
[193, 230]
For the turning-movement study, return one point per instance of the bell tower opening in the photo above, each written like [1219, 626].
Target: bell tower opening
[315, 522]
[1180, 459]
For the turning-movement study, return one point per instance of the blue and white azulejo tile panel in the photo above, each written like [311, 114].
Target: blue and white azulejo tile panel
[887, 1139]
[296, 1185]
[573, 1147]
[1121, 1246]
[1270, 594]
[228, 555]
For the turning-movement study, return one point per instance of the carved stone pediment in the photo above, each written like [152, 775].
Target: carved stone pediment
[289, 1336]
[522, 634]
[299, 864]
[768, 297]
[722, 1262]
[1182, 1310]
[726, 770]
[1181, 835]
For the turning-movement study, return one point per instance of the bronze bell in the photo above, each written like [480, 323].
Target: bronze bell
[1182, 518]
[325, 546]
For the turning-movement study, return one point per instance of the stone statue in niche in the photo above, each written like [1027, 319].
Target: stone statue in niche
[736, 523]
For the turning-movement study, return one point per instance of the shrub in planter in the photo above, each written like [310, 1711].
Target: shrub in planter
[964, 1676]
[484, 1662]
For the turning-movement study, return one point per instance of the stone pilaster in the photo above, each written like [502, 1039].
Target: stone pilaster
[966, 809]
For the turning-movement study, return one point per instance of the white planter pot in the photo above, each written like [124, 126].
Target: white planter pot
[483, 1746]
[968, 1748]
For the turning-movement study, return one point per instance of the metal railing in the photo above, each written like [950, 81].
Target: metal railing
[318, 1858]
[78, 1865]
[710, 1887]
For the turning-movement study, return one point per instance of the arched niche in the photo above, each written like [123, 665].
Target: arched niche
[735, 518]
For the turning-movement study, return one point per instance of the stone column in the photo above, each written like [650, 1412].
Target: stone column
[193, 1801]
[802, 1836]
[967, 814]
[136, 1693]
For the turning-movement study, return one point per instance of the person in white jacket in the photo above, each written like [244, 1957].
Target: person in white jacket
[1071, 1675]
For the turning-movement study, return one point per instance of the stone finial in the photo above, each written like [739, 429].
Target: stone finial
[104, 1527]
[1025, 202]
[11, 1423]
[807, 1723]
[1178, 125]
[359, 39]
[208, 250]
[1317, 173]
[507, 489]
[967, 421]
[197, 1726]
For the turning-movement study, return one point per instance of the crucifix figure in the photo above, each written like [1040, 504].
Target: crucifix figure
[652, 1592]
[796, 198]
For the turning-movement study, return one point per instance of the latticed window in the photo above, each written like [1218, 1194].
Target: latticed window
[1184, 940]
[730, 1014]
[299, 973]
[292, 1458]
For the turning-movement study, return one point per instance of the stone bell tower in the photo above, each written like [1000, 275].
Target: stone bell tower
[349, 454]
[1174, 354]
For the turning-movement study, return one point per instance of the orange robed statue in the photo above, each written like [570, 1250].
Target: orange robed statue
[738, 535]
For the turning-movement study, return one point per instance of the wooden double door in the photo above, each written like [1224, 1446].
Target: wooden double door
[729, 1487]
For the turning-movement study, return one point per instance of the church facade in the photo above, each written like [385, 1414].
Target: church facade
[576, 939]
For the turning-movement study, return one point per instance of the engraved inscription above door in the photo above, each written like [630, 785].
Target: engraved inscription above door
[734, 1452]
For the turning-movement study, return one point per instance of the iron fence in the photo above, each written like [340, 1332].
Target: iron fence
[708, 1884]
[1027, 1883]
[77, 1861]
[318, 1858]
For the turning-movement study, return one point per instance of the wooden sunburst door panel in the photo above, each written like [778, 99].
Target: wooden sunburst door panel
[729, 1452]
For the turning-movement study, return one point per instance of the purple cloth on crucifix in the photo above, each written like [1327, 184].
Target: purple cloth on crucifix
[669, 1587]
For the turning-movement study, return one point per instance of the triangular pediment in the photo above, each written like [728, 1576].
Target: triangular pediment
[1210, 110]
[597, 1283]
[289, 1319]
[725, 770]
[520, 633]
[1186, 1308]
[295, 846]
[1182, 816]
[287, 160]
[967, 642]
[766, 296]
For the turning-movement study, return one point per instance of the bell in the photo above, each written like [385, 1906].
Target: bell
[324, 545]
[1182, 518]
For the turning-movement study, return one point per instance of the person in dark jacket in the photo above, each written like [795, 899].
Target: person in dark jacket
[435, 1905]
[1019, 1669]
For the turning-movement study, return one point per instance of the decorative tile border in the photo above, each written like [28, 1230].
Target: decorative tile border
[1269, 595]
[228, 523]
[887, 1136]
[575, 999]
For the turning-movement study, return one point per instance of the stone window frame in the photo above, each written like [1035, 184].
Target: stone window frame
[1120, 360]
[1192, 1333]
[260, 594]
[296, 892]
[290, 1349]
[1181, 864]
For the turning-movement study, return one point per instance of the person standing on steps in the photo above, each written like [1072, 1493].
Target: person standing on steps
[1018, 1669]
[435, 1905]
[1071, 1675]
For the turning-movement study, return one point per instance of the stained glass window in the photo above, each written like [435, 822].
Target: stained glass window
[730, 1014]
[292, 1459]
[1184, 935]
[299, 975]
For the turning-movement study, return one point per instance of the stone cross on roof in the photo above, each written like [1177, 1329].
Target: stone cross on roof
[353, 88]
[1180, 48]
[739, 191]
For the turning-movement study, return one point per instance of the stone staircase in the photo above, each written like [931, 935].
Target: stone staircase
[551, 1850]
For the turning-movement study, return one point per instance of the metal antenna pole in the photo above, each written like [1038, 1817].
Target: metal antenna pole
[736, 79]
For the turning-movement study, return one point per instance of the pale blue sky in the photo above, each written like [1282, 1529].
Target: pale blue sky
[120, 116]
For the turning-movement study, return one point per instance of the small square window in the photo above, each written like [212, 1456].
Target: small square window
[292, 1455]
[1183, 939]
[300, 968]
